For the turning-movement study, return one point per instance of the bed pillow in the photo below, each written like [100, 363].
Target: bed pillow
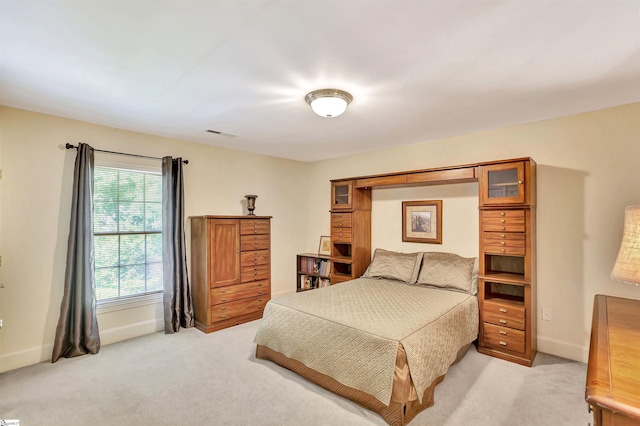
[449, 271]
[394, 266]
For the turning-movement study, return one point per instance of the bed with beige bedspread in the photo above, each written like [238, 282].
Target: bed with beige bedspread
[366, 334]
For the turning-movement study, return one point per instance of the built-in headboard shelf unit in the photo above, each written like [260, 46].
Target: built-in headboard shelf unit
[507, 243]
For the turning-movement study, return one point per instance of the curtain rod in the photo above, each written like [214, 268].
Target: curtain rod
[70, 146]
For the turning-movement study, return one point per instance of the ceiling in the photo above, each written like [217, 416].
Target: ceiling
[417, 70]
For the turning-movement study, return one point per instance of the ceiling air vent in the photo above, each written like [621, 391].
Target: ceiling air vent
[218, 132]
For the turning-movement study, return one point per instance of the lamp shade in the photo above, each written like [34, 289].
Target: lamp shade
[627, 267]
[328, 103]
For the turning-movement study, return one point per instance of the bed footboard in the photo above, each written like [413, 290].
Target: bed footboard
[396, 414]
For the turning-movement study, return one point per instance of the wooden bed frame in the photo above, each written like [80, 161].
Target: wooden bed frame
[396, 414]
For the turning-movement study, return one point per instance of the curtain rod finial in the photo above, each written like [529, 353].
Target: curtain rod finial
[69, 146]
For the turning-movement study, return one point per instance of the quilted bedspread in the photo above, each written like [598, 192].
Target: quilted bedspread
[351, 331]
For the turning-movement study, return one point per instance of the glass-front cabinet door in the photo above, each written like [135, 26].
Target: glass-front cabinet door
[341, 195]
[502, 184]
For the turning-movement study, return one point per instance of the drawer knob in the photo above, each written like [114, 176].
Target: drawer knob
[259, 300]
[224, 290]
[222, 308]
[501, 213]
[503, 332]
[503, 310]
[259, 291]
[223, 316]
[503, 343]
[502, 250]
[259, 284]
[223, 299]
[520, 182]
[503, 321]
[502, 228]
[260, 307]
[501, 220]
[502, 242]
[502, 235]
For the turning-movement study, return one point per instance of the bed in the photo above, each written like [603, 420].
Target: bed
[384, 340]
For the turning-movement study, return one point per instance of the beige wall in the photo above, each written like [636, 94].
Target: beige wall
[35, 200]
[587, 174]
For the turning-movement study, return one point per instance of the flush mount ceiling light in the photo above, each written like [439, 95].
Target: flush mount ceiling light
[328, 103]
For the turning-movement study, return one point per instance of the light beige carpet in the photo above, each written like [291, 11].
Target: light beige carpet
[191, 378]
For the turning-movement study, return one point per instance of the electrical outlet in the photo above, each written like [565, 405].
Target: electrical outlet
[547, 315]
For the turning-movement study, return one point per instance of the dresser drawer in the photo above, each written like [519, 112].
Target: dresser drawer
[504, 338]
[503, 307]
[505, 220]
[503, 312]
[254, 242]
[504, 236]
[504, 320]
[240, 307]
[341, 220]
[341, 235]
[240, 291]
[254, 273]
[254, 257]
[254, 226]
[507, 247]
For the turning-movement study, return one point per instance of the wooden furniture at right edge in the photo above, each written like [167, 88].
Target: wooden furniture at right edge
[507, 243]
[613, 371]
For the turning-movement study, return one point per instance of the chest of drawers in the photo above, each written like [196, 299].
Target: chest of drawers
[613, 371]
[230, 269]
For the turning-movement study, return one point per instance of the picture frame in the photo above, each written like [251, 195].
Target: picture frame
[324, 248]
[422, 221]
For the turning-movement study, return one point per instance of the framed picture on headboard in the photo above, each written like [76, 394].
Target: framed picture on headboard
[422, 221]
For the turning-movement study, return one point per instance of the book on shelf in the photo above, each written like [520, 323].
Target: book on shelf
[306, 282]
[314, 265]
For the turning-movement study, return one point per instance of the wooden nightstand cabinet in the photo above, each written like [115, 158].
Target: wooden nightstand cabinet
[506, 284]
[613, 371]
[230, 269]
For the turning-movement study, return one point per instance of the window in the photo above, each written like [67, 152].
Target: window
[127, 229]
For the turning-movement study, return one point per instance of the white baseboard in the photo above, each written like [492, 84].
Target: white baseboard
[130, 331]
[25, 357]
[34, 355]
[563, 349]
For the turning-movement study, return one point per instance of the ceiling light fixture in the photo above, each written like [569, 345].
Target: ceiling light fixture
[328, 103]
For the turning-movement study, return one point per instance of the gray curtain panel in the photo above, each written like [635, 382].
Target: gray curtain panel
[77, 331]
[178, 305]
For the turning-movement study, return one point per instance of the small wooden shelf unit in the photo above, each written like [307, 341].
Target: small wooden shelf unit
[312, 271]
